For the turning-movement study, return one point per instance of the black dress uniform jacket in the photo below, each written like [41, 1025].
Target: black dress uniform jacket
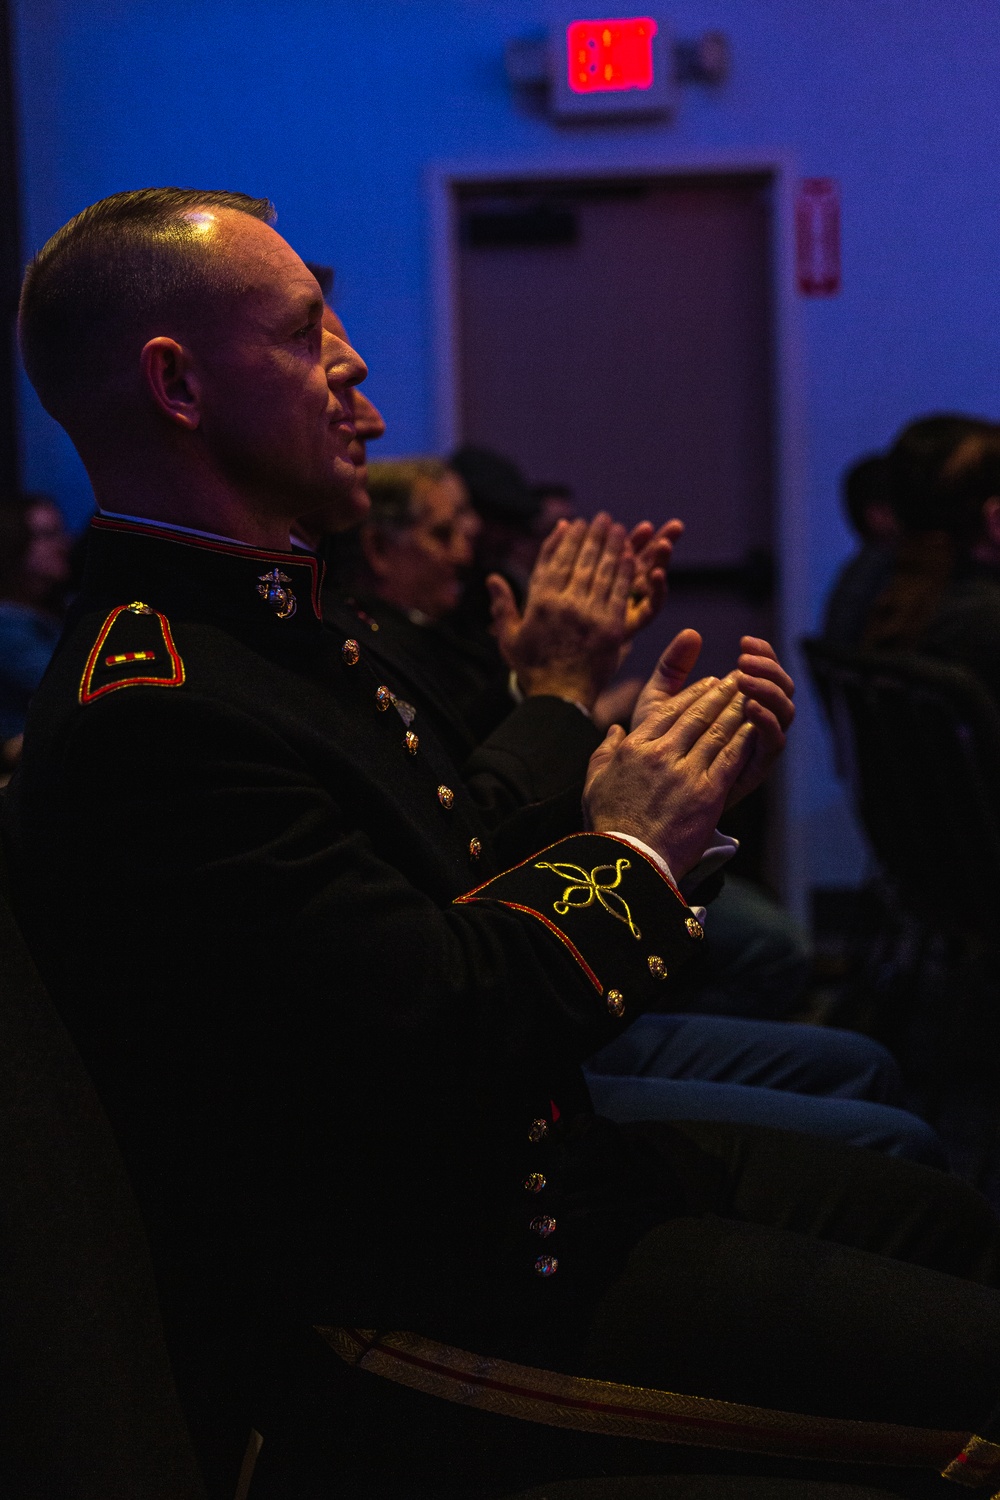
[338, 1040]
[463, 676]
[516, 755]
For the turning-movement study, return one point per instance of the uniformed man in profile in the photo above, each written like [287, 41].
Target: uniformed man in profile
[337, 1033]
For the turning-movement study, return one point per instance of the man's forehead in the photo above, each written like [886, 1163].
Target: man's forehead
[262, 257]
[434, 497]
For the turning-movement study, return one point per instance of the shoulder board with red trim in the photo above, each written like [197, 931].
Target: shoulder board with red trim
[134, 647]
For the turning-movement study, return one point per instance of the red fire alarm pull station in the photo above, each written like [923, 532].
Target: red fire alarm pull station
[817, 237]
[602, 56]
[611, 66]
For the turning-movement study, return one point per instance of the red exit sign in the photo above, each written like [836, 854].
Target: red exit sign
[616, 66]
[608, 56]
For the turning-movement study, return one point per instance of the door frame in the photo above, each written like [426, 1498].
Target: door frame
[791, 542]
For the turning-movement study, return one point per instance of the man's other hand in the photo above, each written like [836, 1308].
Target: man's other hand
[568, 641]
[766, 685]
[769, 692]
[668, 677]
[667, 782]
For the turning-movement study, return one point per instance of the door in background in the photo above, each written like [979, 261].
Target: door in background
[617, 336]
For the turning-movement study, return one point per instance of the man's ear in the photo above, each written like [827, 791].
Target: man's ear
[172, 381]
[991, 521]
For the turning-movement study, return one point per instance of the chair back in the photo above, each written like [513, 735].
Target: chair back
[918, 742]
[88, 1409]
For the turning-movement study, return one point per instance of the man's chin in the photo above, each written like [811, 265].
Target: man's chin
[345, 504]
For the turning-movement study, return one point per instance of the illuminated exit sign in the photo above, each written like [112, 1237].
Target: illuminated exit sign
[620, 65]
[606, 55]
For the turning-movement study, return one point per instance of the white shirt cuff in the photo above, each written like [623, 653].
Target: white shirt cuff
[718, 853]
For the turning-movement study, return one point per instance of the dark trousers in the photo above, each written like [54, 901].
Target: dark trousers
[809, 1276]
[819, 1278]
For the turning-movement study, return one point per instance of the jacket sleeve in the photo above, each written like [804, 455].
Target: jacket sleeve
[194, 826]
[625, 926]
[539, 752]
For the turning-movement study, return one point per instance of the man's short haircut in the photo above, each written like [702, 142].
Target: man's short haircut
[105, 281]
[392, 485]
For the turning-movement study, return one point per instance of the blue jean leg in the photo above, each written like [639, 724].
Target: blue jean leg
[769, 1054]
[856, 1122]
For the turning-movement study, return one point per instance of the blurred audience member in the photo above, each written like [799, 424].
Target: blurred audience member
[556, 502]
[416, 551]
[944, 595]
[34, 568]
[516, 519]
[509, 537]
[867, 497]
[418, 543]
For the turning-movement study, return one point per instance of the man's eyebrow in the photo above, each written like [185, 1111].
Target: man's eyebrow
[310, 310]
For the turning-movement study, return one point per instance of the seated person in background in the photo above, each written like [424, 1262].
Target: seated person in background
[34, 568]
[541, 746]
[511, 526]
[418, 548]
[556, 502]
[943, 598]
[868, 506]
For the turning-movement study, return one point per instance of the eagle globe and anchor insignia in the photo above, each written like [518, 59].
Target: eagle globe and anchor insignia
[271, 586]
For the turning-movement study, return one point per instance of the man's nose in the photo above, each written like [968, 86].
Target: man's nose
[344, 365]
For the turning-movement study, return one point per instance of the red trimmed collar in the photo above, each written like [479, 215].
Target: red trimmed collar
[225, 549]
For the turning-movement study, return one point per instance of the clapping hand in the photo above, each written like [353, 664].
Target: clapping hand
[568, 640]
[667, 781]
[767, 688]
[769, 692]
[653, 548]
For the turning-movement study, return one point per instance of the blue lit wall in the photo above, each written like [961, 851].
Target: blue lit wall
[334, 107]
